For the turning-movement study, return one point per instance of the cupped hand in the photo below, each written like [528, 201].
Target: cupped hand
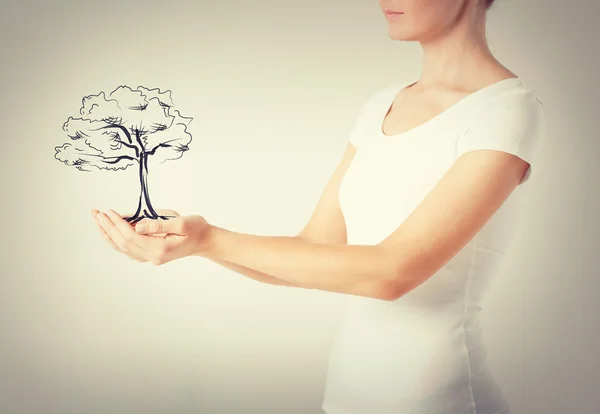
[155, 241]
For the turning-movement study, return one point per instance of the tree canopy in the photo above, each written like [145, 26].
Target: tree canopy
[114, 132]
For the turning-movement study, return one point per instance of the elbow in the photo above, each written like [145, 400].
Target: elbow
[389, 290]
[401, 279]
[391, 286]
[387, 285]
[395, 279]
[401, 283]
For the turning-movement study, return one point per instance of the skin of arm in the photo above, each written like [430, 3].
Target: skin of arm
[471, 192]
[326, 224]
[253, 274]
[350, 269]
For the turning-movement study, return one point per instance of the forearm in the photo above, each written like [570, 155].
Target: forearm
[253, 274]
[361, 270]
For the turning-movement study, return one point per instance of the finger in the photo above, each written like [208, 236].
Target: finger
[128, 216]
[117, 228]
[163, 212]
[145, 244]
[153, 249]
[95, 212]
[105, 235]
[150, 248]
[168, 213]
[171, 226]
[113, 244]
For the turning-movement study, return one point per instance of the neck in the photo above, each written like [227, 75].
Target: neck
[453, 58]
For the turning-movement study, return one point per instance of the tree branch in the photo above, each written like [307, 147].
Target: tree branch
[114, 160]
[135, 148]
[121, 127]
[164, 145]
[117, 159]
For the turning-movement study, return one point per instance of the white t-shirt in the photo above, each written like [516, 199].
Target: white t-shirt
[424, 353]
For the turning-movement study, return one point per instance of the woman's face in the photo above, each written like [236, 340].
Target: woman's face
[421, 19]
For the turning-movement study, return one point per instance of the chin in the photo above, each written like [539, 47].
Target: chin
[402, 35]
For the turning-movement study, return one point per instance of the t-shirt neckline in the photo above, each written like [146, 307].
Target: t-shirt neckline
[493, 87]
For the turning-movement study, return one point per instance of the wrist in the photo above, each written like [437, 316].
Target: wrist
[208, 246]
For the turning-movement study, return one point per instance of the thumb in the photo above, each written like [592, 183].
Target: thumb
[148, 226]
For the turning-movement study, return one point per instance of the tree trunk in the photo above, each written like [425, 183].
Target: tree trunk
[144, 209]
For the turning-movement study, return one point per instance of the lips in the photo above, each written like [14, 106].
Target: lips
[391, 15]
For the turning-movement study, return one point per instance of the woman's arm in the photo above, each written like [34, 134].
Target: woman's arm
[326, 224]
[254, 274]
[471, 192]
[318, 257]
[360, 270]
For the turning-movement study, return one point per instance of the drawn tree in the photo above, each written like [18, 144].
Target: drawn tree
[129, 128]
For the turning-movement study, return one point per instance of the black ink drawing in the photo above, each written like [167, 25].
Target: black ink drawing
[124, 130]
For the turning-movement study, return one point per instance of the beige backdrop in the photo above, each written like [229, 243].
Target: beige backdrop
[273, 88]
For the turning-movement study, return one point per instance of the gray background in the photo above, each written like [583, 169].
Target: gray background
[273, 90]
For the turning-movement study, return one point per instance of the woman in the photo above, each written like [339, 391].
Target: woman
[412, 225]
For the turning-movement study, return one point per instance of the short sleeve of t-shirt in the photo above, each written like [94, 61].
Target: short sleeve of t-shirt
[359, 129]
[364, 122]
[514, 122]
